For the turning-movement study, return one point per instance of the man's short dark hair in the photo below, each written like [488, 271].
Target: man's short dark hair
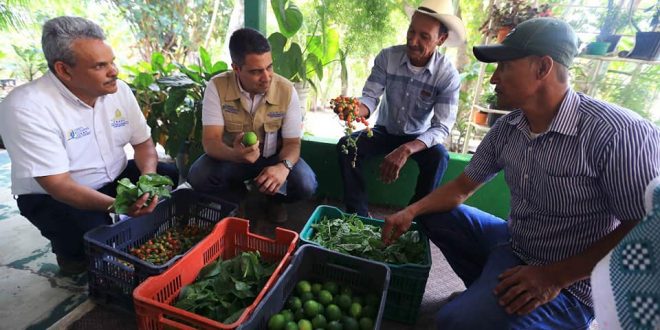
[246, 41]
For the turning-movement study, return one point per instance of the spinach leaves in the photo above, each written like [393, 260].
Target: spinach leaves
[350, 235]
[223, 289]
[128, 193]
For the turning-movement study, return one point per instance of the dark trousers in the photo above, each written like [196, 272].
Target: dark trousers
[65, 225]
[432, 164]
[227, 179]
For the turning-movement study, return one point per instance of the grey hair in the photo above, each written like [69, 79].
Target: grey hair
[58, 34]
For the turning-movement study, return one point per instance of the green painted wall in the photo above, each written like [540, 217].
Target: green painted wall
[320, 154]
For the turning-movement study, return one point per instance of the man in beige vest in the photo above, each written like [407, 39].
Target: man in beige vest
[251, 98]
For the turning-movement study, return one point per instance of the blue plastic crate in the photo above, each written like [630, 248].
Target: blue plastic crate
[408, 281]
[317, 264]
[113, 272]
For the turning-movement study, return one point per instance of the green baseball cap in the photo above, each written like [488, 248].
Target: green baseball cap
[538, 36]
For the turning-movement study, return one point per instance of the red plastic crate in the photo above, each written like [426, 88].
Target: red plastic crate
[153, 298]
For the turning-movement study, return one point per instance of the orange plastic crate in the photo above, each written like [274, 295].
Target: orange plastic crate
[231, 236]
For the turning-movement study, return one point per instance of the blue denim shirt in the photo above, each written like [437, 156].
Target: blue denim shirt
[423, 103]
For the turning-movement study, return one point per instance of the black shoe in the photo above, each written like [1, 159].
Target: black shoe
[70, 267]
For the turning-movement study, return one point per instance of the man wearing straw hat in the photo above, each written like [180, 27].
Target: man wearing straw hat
[413, 89]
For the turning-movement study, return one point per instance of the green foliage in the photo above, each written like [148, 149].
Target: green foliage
[223, 289]
[289, 18]
[352, 236]
[175, 28]
[293, 61]
[612, 19]
[10, 14]
[31, 62]
[128, 193]
[170, 96]
[366, 26]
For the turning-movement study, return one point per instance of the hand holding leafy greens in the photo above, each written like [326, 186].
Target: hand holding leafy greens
[350, 235]
[128, 193]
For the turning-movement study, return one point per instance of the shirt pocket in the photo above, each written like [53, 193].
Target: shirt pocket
[423, 109]
[233, 127]
[570, 195]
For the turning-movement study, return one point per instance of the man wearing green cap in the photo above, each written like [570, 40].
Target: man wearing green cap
[576, 167]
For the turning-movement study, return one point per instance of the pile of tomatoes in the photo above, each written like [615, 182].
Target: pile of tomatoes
[167, 245]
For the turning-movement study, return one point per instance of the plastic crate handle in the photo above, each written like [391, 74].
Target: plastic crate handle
[174, 324]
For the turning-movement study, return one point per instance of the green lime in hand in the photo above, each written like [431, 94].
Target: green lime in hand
[249, 138]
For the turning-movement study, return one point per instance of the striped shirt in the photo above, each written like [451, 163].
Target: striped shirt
[423, 103]
[573, 184]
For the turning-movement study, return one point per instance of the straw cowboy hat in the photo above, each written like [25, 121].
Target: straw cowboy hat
[443, 11]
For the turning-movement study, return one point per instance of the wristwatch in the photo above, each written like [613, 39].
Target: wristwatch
[287, 163]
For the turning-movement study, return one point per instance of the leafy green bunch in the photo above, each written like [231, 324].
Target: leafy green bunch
[128, 193]
[352, 236]
[223, 289]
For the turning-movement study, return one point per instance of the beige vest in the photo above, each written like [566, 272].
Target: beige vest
[268, 116]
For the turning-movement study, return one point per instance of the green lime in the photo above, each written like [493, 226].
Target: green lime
[366, 323]
[249, 138]
[311, 308]
[333, 312]
[294, 303]
[335, 325]
[303, 287]
[304, 325]
[331, 286]
[276, 322]
[316, 288]
[299, 314]
[350, 323]
[325, 297]
[291, 325]
[288, 315]
[357, 299]
[355, 310]
[344, 301]
[306, 296]
[319, 322]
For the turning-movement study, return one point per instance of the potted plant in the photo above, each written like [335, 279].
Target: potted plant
[170, 96]
[502, 19]
[296, 62]
[611, 20]
[647, 43]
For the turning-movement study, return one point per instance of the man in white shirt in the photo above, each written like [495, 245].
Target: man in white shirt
[65, 133]
[251, 98]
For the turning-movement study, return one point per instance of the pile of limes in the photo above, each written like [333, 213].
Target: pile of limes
[328, 305]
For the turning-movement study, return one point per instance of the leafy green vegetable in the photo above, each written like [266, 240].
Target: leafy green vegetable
[352, 236]
[223, 289]
[128, 193]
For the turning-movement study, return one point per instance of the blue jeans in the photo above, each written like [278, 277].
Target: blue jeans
[476, 245]
[65, 225]
[432, 163]
[227, 179]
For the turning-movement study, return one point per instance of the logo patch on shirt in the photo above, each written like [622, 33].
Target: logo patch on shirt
[118, 120]
[229, 108]
[276, 114]
[78, 133]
